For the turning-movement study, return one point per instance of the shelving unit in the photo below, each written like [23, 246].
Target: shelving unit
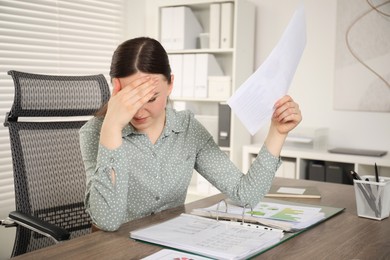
[236, 62]
[301, 157]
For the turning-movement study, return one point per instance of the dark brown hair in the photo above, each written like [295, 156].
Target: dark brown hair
[140, 54]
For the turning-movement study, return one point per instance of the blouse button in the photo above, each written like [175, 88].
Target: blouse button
[157, 198]
[112, 160]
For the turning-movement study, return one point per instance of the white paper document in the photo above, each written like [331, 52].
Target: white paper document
[209, 237]
[254, 100]
[169, 254]
[291, 190]
[284, 216]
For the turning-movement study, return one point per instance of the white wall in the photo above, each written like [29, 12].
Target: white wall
[312, 86]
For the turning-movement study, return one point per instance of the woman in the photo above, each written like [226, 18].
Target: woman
[139, 154]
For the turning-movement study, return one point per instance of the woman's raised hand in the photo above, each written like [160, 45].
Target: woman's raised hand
[124, 103]
[126, 100]
[286, 116]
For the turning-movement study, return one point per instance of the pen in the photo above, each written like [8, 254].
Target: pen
[355, 175]
[376, 173]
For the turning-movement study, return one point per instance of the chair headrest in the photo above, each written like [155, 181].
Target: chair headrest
[38, 95]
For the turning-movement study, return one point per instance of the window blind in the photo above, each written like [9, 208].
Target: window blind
[59, 37]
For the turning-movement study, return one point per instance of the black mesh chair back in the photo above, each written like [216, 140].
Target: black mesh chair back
[49, 174]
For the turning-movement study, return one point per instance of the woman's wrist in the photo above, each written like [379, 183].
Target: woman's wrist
[110, 136]
[274, 141]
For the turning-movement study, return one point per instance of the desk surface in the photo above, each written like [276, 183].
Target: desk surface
[345, 236]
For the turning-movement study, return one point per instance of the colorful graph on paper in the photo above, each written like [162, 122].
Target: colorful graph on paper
[283, 212]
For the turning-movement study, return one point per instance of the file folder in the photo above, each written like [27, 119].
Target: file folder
[224, 125]
[188, 75]
[176, 63]
[215, 26]
[206, 65]
[166, 29]
[180, 28]
[227, 25]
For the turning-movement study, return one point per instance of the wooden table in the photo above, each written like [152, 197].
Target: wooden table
[345, 236]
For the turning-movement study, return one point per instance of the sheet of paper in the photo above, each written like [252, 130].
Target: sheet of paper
[276, 211]
[291, 190]
[168, 254]
[209, 237]
[254, 100]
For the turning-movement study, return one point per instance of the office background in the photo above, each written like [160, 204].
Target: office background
[313, 83]
[312, 87]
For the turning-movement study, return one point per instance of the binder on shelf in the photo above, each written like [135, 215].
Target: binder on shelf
[206, 64]
[180, 28]
[224, 125]
[215, 26]
[176, 62]
[166, 27]
[188, 76]
[227, 16]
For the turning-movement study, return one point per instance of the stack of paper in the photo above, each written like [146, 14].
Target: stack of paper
[283, 216]
[208, 237]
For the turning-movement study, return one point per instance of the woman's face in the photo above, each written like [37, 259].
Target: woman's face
[152, 114]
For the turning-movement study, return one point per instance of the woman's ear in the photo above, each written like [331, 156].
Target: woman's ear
[170, 86]
[116, 86]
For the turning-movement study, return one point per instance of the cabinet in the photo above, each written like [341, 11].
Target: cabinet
[302, 158]
[236, 61]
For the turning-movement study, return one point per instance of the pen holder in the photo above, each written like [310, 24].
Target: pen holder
[372, 198]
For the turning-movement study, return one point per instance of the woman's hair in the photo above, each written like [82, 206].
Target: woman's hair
[141, 54]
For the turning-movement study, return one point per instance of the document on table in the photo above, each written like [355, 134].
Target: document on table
[283, 216]
[254, 100]
[209, 237]
[169, 254]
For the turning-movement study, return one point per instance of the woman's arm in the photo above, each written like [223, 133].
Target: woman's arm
[105, 201]
[249, 188]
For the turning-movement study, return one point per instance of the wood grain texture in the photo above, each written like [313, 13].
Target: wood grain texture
[345, 236]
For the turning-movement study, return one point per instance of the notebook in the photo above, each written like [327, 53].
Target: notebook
[364, 152]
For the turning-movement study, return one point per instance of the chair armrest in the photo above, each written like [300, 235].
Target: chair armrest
[42, 227]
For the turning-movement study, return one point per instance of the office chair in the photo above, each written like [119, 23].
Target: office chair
[49, 174]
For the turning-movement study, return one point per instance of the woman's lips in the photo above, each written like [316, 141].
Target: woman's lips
[139, 119]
